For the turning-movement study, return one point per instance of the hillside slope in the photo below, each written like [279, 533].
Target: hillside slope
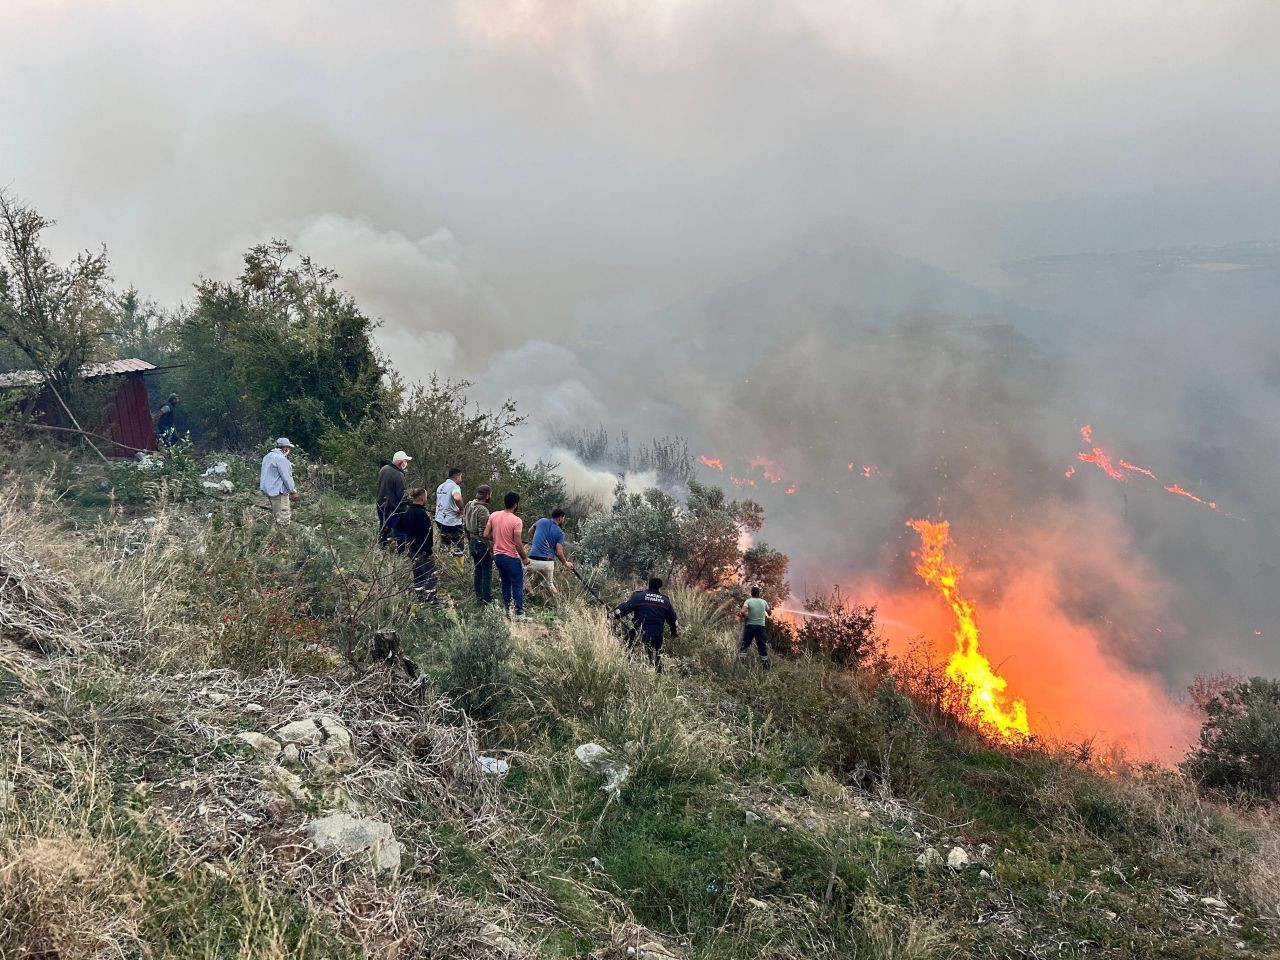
[191, 767]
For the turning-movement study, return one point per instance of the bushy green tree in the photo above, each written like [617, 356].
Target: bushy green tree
[280, 350]
[1239, 748]
[54, 319]
[701, 540]
[438, 425]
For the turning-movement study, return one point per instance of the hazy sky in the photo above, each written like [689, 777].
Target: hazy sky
[482, 165]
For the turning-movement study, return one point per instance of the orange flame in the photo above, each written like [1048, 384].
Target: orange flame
[1174, 488]
[988, 702]
[1103, 461]
[709, 462]
[1126, 465]
[768, 468]
[870, 471]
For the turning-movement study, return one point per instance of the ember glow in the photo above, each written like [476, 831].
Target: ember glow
[988, 702]
[1099, 457]
[1177, 490]
[1126, 465]
[1102, 460]
[768, 469]
[712, 463]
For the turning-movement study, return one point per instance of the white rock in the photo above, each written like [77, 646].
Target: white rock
[958, 858]
[288, 782]
[758, 904]
[1213, 903]
[221, 486]
[261, 743]
[984, 875]
[751, 816]
[929, 858]
[219, 469]
[358, 837]
[592, 756]
[493, 766]
[254, 708]
[321, 743]
[213, 696]
[1110, 915]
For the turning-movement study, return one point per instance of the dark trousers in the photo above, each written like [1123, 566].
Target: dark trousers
[483, 561]
[383, 533]
[451, 536]
[511, 573]
[652, 645]
[424, 575]
[754, 633]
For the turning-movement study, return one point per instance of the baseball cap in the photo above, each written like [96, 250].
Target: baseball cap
[400, 455]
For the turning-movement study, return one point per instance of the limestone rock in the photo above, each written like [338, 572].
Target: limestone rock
[261, 744]
[287, 782]
[929, 858]
[957, 858]
[321, 743]
[359, 838]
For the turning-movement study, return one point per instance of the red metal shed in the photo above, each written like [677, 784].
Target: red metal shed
[126, 417]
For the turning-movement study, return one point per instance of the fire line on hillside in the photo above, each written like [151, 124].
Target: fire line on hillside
[988, 703]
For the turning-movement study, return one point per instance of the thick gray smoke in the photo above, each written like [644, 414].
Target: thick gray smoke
[820, 233]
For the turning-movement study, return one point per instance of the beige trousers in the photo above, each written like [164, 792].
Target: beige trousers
[547, 568]
[281, 508]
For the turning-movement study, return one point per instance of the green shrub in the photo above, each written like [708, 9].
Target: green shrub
[475, 669]
[1239, 748]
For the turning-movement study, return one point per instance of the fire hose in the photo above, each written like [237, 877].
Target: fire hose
[586, 586]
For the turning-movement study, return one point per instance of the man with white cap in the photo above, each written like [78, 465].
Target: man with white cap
[276, 480]
[390, 492]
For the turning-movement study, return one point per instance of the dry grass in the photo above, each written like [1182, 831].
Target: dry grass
[137, 817]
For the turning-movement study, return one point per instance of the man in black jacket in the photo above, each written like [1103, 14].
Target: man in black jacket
[390, 492]
[419, 539]
[651, 611]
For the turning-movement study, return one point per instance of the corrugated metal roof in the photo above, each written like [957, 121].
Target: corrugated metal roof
[28, 378]
[133, 365]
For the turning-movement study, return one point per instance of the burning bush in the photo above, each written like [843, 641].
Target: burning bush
[1239, 749]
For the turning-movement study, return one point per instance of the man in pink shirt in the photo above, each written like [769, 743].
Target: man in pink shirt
[503, 533]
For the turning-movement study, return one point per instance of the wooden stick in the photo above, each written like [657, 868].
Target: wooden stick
[84, 433]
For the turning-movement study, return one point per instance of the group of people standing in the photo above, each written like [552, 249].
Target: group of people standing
[494, 538]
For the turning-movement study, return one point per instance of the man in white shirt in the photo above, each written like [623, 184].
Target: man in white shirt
[449, 506]
[276, 480]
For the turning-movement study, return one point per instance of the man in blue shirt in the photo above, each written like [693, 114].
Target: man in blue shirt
[546, 547]
[276, 480]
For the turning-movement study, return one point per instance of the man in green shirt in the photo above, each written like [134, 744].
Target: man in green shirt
[755, 611]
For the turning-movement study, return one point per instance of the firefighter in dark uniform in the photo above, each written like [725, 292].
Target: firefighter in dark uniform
[651, 611]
